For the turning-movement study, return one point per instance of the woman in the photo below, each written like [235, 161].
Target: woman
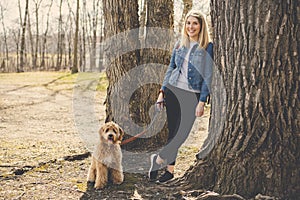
[184, 90]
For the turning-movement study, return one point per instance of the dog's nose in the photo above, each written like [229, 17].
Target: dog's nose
[110, 136]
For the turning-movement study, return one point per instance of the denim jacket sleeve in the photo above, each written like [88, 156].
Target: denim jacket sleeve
[207, 76]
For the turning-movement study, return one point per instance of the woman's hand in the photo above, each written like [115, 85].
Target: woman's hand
[200, 109]
[160, 101]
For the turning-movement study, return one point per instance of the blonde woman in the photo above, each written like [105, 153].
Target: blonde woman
[184, 91]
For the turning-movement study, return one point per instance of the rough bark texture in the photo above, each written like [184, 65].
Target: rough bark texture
[159, 18]
[257, 51]
[122, 24]
[120, 17]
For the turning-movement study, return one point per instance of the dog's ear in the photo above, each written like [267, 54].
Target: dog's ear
[121, 133]
[101, 130]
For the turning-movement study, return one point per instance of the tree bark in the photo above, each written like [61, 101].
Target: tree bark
[120, 17]
[187, 6]
[157, 16]
[125, 21]
[257, 52]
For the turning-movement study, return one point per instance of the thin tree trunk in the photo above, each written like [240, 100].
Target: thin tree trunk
[23, 35]
[4, 65]
[60, 37]
[32, 46]
[35, 55]
[75, 53]
[83, 27]
[43, 62]
[258, 150]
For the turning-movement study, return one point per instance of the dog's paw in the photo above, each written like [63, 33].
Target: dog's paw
[118, 180]
[90, 183]
[99, 186]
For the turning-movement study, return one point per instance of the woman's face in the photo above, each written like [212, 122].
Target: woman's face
[192, 27]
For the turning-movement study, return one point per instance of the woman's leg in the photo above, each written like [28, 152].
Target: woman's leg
[181, 106]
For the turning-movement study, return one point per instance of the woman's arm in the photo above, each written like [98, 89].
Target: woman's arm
[207, 75]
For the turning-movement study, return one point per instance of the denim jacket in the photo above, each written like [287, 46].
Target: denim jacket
[199, 68]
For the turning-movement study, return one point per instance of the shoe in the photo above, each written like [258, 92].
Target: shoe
[153, 171]
[165, 177]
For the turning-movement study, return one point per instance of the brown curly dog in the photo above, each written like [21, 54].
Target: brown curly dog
[107, 158]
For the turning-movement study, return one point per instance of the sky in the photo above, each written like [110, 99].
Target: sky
[12, 16]
[11, 10]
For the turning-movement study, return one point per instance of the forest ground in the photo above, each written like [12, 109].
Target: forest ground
[42, 156]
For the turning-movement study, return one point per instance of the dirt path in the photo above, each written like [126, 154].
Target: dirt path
[42, 156]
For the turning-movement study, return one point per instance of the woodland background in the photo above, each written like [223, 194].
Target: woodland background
[253, 130]
[40, 36]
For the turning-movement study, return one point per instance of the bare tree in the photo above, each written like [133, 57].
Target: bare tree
[256, 47]
[4, 65]
[75, 52]
[45, 35]
[83, 38]
[94, 20]
[23, 35]
[37, 4]
[60, 38]
[31, 44]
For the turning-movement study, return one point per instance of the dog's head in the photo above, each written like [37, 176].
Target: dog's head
[111, 133]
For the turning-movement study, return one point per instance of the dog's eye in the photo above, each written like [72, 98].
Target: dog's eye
[106, 130]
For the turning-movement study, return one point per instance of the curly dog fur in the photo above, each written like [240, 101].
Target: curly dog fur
[106, 162]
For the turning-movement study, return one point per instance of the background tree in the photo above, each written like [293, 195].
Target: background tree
[257, 52]
[37, 4]
[75, 52]
[22, 47]
[3, 63]
[44, 37]
[60, 38]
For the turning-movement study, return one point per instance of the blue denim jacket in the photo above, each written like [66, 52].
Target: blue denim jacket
[199, 68]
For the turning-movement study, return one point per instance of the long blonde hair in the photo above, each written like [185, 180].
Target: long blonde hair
[203, 38]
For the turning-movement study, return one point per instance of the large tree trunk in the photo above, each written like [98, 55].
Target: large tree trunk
[156, 42]
[257, 52]
[120, 17]
[136, 96]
